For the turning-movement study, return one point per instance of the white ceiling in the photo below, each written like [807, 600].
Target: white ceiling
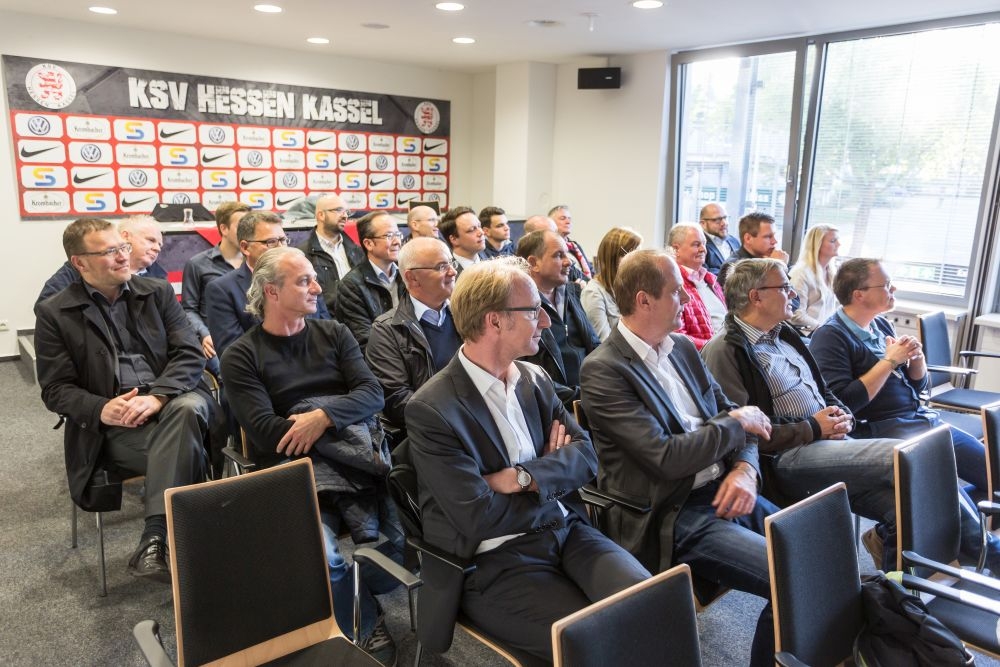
[420, 34]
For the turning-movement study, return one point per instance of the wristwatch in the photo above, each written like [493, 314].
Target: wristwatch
[524, 478]
[894, 364]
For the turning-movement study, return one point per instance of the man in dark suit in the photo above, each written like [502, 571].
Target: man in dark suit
[721, 244]
[460, 228]
[118, 360]
[498, 460]
[330, 250]
[667, 435]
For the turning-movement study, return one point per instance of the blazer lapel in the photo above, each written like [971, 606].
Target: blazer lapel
[642, 371]
[472, 401]
[528, 401]
[680, 363]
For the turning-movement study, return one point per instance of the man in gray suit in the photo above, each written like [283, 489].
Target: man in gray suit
[668, 436]
[498, 462]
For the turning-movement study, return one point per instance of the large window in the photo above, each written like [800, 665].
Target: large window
[894, 151]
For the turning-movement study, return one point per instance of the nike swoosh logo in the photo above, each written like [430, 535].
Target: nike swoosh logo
[129, 204]
[244, 181]
[313, 142]
[167, 135]
[350, 162]
[80, 179]
[384, 180]
[205, 158]
[429, 147]
[402, 199]
[282, 202]
[27, 153]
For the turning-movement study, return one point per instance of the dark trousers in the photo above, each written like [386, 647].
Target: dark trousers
[520, 588]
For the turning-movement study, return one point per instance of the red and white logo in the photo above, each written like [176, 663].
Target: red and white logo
[427, 117]
[50, 86]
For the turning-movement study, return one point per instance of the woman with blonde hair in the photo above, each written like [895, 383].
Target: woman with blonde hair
[597, 297]
[812, 278]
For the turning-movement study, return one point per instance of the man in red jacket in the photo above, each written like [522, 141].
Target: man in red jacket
[703, 315]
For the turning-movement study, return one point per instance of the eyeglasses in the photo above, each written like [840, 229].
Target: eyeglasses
[721, 218]
[389, 236]
[887, 285]
[440, 268]
[784, 287]
[340, 210]
[123, 249]
[272, 243]
[532, 311]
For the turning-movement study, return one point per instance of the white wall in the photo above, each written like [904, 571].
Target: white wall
[32, 250]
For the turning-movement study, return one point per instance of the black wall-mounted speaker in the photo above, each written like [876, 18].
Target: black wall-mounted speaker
[589, 78]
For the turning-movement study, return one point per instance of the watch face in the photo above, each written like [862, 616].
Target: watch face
[523, 478]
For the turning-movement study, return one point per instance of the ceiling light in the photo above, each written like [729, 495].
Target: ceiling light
[318, 40]
[464, 40]
[647, 4]
[103, 10]
[450, 6]
[268, 9]
[375, 26]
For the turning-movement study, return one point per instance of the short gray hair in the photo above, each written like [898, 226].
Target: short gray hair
[408, 255]
[680, 231]
[265, 272]
[745, 275]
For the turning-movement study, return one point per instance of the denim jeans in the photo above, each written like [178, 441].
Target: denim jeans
[373, 580]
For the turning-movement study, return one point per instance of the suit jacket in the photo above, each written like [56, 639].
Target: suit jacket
[715, 258]
[325, 268]
[361, 297]
[77, 360]
[644, 452]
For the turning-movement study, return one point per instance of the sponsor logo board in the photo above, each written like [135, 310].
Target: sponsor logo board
[94, 201]
[135, 154]
[43, 202]
[38, 125]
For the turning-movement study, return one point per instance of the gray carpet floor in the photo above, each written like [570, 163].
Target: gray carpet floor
[50, 609]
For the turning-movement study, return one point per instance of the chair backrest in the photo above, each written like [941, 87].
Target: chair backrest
[932, 329]
[815, 580]
[927, 510]
[250, 575]
[649, 624]
[991, 438]
[581, 415]
[402, 483]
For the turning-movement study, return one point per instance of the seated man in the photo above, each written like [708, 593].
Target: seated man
[416, 339]
[497, 229]
[461, 229]
[759, 238]
[666, 434]
[704, 313]
[373, 286]
[423, 223]
[300, 388]
[571, 336]
[226, 296]
[561, 215]
[118, 360]
[498, 460]
[761, 360]
[332, 252]
[720, 243]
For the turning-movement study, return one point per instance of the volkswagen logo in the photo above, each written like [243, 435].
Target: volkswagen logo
[352, 142]
[255, 158]
[289, 180]
[90, 152]
[39, 125]
[138, 178]
[409, 182]
[216, 135]
[180, 198]
[381, 162]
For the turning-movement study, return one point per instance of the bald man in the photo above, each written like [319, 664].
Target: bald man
[423, 223]
[331, 252]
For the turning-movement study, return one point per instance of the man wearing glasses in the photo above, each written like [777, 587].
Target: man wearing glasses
[417, 338]
[372, 287]
[226, 296]
[423, 223]
[714, 221]
[330, 250]
[119, 362]
[498, 459]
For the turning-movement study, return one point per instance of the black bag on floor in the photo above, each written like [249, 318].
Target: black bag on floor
[900, 632]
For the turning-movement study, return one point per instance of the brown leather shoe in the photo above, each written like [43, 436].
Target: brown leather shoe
[150, 560]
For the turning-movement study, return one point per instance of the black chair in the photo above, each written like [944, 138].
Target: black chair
[250, 578]
[991, 439]
[618, 629]
[928, 535]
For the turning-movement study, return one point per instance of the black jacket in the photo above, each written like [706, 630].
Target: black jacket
[326, 269]
[361, 297]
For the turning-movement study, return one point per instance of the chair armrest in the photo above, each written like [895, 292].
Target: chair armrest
[954, 370]
[967, 598]
[147, 636]
[975, 353]
[631, 503]
[786, 659]
[242, 463]
[374, 557]
[593, 499]
[911, 558]
[463, 565]
[987, 508]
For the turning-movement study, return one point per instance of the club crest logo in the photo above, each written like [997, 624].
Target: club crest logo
[51, 86]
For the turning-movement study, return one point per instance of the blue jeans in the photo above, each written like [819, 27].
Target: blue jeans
[730, 553]
[373, 580]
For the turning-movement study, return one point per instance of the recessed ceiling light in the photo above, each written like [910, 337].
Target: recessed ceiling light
[268, 9]
[318, 40]
[103, 10]
[464, 40]
[450, 6]
[647, 4]
[543, 23]
[375, 26]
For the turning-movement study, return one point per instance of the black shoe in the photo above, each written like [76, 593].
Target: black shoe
[379, 644]
[150, 560]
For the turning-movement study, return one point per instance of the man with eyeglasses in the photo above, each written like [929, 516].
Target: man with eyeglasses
[759, 359]
[374, 286]
[714, 222]
[563, 218]
[879, 376]
[330, 250]
[423, 223]
[759, 239]
[226, 296]
[121, 365]
[498, 459]
[417, 338]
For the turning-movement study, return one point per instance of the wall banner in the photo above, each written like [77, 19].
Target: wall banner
[105, 141]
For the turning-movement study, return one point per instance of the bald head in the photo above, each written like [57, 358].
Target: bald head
[539, 223]
[331, 216]
[423, 222]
